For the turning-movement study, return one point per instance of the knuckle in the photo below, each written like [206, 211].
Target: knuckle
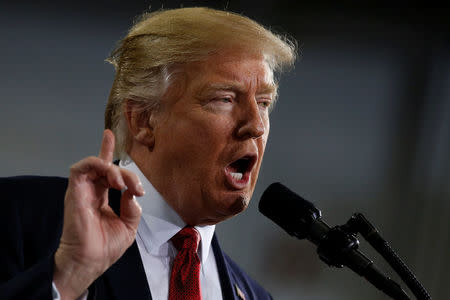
[73, 168]
[84, 164]
[114, 170]
[125, 174]
[91, 159]
[133, 176]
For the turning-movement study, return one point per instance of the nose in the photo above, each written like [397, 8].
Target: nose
[251, 124]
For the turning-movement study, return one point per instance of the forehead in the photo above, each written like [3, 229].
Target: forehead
[232, 69]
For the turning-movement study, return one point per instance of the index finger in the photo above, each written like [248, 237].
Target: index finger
[107, 148]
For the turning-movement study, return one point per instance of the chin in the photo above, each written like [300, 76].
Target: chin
[234, 205]
[225, 206]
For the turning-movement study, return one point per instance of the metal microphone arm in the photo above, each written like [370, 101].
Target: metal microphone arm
[358, 223]
[338, 248]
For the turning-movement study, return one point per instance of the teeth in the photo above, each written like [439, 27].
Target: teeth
[237, 176]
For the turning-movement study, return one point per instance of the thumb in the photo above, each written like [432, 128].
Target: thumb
[130, 211]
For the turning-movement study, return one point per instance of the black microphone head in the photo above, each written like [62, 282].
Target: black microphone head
[287, 209]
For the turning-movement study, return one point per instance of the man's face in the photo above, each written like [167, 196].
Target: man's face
[210, 135]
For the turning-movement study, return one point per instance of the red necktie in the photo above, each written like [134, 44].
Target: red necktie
[185, 276]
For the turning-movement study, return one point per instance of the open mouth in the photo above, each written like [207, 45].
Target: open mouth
[238, 172]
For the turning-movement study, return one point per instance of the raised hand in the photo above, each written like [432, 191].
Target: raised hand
[94, 237]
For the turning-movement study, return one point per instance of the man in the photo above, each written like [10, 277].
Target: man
[188, 117]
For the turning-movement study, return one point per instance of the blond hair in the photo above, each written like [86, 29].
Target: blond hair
[162, 39]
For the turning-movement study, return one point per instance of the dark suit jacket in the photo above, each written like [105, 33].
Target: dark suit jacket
[31, 226]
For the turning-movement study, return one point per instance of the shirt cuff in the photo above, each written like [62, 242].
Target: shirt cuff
[57, 296]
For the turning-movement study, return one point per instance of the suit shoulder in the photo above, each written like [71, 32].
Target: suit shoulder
[24, 184]
[32, 190]
[242, 285]
[248, 285]
[33, 181]
[31, 225]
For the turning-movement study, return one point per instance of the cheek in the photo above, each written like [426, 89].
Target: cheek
[265, 136]
[267, 124]
[201, 140]
[214, 131]
[262, 146]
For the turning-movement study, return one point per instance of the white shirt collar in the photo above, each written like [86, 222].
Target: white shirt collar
[159, 222]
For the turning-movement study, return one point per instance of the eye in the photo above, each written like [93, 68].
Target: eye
[220, 102]
[265, 103]
[224, 99]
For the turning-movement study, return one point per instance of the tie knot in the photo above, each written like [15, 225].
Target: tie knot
[187, 238]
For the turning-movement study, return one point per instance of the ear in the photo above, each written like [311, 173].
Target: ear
[139, 124]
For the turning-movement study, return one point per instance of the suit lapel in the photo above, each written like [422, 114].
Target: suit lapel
[226, 282]
[126, 278]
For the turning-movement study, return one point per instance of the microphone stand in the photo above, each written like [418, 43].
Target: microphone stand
[338, 246]
[358, 223]
[335, 247]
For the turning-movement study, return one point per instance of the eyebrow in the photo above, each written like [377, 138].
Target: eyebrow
[238, 87]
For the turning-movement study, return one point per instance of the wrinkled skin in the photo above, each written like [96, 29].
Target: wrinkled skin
[216, 111]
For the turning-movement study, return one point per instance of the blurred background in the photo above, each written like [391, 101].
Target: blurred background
[362, 124]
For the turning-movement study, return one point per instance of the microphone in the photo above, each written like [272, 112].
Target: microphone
[336, 246]
[297, 216]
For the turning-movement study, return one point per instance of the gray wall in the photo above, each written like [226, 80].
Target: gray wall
[362, 125]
